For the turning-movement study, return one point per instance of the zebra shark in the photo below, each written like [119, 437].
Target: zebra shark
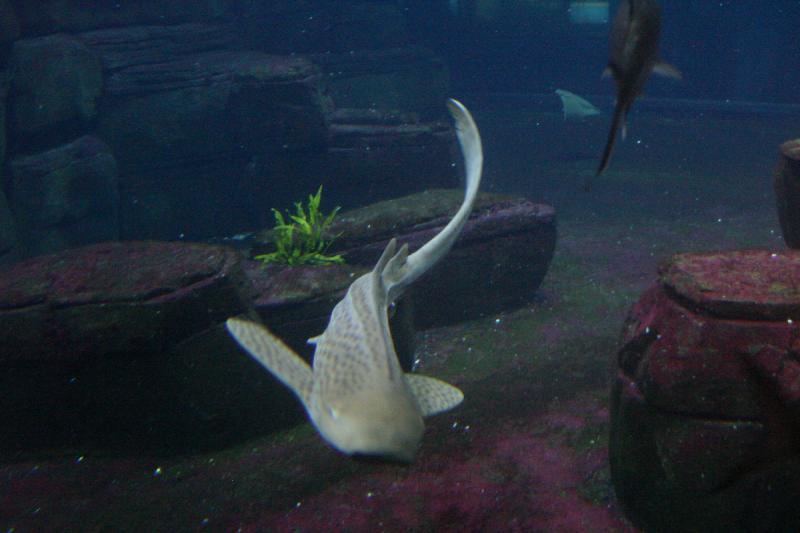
[355, 393]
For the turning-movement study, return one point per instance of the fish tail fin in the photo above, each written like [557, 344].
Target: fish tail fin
[431, 252]
[616, 122]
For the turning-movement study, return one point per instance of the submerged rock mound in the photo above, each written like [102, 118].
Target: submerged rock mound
[90, 337]
[705, 432]
[497, 263]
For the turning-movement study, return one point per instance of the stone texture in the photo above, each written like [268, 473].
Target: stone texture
[407, 78]
[50, 16]
[66, 196]
[787, 192]
[502, 254]
[202, 106]
[184, 130]
[371, 155]
[85, 336]
[129, 46]
[706, 402]
[56, 82]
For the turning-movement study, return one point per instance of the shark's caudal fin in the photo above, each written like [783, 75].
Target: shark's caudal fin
[400, 273]
[274, 355]
[617, 122]
[433, 396]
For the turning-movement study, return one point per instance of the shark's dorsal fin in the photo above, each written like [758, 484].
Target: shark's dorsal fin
[273, 355]
[400, 274]
[433, 395]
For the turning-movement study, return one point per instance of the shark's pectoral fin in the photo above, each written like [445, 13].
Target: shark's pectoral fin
[433, 395]
[273, 355]
[667, 70]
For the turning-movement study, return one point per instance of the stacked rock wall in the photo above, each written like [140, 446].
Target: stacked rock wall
[200, 116]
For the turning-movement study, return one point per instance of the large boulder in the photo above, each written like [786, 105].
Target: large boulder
[705, 425]
[185, 129]
[66, 196]
[94, 345]
[51, 16]
[502, 254]
[56, 83]
[211, 105]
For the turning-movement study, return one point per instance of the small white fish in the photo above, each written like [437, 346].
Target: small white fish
[356, 394]
[575, 107]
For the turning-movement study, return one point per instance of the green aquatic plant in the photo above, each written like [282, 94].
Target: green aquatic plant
[303, 241]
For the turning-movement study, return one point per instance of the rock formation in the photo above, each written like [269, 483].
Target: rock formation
[706, 403]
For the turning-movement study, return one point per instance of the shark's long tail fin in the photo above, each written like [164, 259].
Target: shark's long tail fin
[616, 122]
[400, 272]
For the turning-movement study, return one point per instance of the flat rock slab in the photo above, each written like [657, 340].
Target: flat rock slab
[706, 404]
[757, 284]
[95, 347]
[497, 263]
[116, 297]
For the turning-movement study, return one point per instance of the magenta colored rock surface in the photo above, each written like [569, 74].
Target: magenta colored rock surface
[94, 348]
[706, 405]
[529, 479]
[92, 301]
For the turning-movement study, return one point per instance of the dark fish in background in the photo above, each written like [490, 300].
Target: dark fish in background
[635, 34]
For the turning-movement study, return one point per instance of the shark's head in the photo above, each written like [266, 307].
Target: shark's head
[385, 424]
